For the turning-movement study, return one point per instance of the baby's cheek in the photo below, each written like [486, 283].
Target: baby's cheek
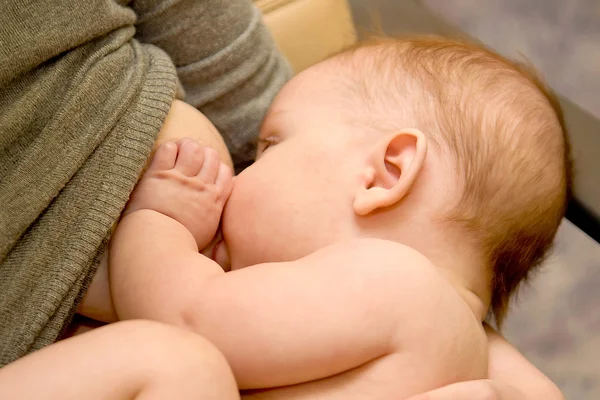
[241, 239]
[232, 223]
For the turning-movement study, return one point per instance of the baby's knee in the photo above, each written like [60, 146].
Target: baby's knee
[166, 343]
[168, 352]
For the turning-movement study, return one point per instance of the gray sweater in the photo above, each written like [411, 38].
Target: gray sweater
[84, 89]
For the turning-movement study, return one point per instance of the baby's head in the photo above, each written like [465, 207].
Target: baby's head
[440, 145]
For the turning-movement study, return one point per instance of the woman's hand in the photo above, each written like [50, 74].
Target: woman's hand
[511, 377]
[477, 390]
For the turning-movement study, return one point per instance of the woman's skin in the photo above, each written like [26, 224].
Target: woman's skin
[511, 376]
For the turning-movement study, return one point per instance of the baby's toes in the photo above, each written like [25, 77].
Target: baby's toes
[210, 168]
[164, 157]
[190, 157]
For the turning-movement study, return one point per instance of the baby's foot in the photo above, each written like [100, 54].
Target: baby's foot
[187, 182]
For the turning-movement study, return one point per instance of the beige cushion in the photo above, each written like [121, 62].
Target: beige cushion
[308, 31]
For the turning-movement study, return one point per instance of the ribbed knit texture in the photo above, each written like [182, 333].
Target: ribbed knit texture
[81, 103]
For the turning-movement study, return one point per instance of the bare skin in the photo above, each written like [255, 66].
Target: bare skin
[531, 385]
[182, 121]
[139, 360]
[358, 334]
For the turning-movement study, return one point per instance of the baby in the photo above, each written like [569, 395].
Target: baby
[401, 190]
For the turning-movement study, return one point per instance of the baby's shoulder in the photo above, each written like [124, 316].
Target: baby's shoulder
[380, 252]
[398, 273]
[433, 319]
[390, 262]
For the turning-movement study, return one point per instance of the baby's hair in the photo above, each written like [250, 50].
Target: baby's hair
[501, 126]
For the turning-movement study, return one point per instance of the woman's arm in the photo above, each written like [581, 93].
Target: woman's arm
[508, 367]
[511, 377]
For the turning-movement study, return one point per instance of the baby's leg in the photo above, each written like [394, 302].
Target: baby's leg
[126, 360]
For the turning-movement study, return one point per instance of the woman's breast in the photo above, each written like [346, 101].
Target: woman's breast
[184, 120]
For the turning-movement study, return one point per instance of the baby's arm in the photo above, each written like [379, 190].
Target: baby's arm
[173, 212]
[281, 323]
[183, 121]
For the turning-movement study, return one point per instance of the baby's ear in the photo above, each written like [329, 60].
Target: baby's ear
[393, 168]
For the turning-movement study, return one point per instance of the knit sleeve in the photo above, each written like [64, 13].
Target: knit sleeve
[226, 61]
[81, 104]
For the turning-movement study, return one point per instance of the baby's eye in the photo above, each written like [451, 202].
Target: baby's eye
[265, 143]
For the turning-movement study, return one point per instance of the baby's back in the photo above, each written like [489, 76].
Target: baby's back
[437, 340]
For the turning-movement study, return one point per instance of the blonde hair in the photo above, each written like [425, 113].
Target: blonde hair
[502, 127]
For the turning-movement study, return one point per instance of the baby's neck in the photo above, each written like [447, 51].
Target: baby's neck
[458, 263]
[465, 271]
[471, 293]
[467, 275]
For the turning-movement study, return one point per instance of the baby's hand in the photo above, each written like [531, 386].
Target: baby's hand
[187, 182]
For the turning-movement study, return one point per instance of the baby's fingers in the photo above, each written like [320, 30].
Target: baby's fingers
[210, 169]
[224, 181]
[190, 157]
[164, 157]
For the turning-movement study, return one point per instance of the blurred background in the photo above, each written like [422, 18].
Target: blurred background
[556, 321]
